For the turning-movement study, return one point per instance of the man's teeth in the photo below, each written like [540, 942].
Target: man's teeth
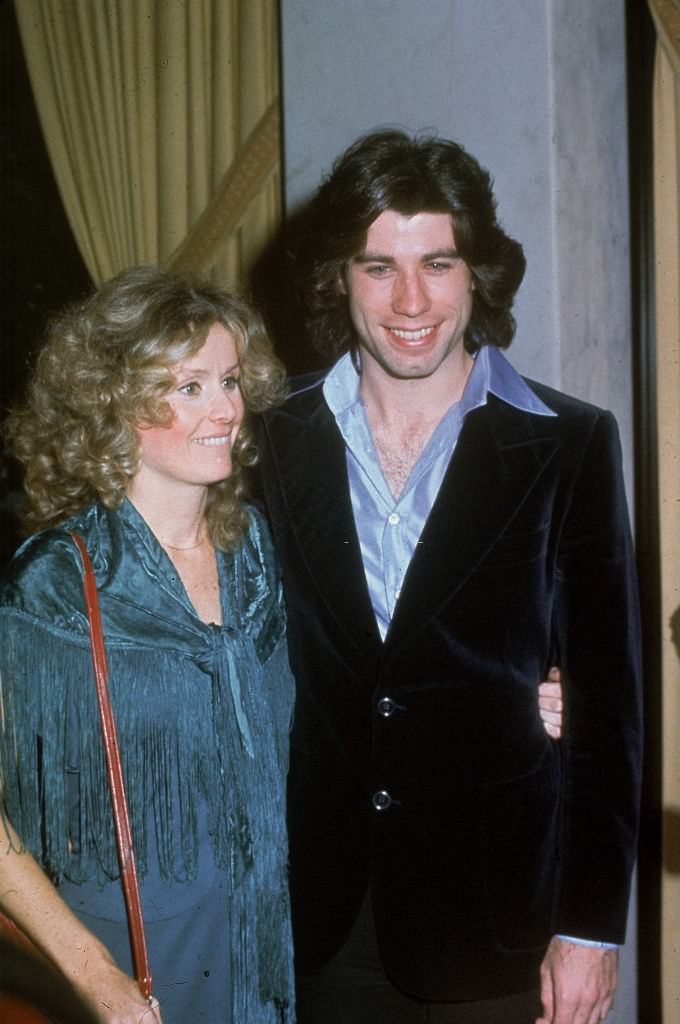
[412, 335]
[213, 442]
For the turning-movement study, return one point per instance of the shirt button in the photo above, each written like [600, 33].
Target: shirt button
[381, 800]
[386, 707]
[394, 519]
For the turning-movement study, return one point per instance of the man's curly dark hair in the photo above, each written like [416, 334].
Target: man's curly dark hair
[390, 170]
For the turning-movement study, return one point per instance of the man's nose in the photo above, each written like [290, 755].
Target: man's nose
[410, 296]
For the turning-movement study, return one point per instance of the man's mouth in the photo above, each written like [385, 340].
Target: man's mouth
[411, 336]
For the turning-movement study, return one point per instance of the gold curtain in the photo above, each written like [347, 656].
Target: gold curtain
[666, 14]
[160, 116]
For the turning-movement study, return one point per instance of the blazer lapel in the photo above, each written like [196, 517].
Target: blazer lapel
[499, 455]
[310, 460]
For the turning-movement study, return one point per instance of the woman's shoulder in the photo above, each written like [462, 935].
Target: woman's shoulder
[256, 550]
[256, 586]
[44, 556]
[44, 578]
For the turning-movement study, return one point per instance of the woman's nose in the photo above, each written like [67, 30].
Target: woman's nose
[226, 407]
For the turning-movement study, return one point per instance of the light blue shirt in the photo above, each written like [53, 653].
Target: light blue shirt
[389, 528]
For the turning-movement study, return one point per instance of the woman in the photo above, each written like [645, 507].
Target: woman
[134, 435]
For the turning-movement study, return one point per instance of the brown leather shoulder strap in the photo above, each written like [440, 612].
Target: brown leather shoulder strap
[121, 817]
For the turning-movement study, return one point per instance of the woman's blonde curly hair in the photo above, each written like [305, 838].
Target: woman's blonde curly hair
[106, 366]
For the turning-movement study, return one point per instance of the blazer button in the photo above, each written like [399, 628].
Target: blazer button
[381, 800]
[386, 707]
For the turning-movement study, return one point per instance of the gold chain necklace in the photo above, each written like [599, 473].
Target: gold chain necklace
[187, 547]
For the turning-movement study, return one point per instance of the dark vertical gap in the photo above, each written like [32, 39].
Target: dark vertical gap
[272, 283]
[641, 39]
[40, 266]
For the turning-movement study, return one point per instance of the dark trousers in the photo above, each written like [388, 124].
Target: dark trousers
[354, 989]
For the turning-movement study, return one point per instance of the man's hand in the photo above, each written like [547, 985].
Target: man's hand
[577, 983]
[550, 703]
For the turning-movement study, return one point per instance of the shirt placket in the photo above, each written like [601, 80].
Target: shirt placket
[394, 554]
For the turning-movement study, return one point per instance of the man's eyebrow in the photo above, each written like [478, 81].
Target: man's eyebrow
[440, 254]
[428, 257]
[372, 257]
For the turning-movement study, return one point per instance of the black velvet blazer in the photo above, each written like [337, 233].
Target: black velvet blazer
[420, 765]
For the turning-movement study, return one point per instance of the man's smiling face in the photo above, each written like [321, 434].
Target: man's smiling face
[410, 295]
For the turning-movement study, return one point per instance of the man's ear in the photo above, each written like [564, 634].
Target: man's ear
[342, 283]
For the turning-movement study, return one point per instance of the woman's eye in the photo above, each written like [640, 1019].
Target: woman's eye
[191, 388]
[230, 383]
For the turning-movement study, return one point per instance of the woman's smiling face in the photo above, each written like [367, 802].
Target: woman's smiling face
[195, 448]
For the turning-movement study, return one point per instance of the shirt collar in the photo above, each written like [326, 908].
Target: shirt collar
[504, 382]
[341, 386]
[491, 373]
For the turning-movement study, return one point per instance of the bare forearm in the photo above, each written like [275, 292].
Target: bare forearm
[29, 898]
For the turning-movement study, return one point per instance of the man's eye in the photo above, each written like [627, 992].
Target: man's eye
[230, 383]
[378, 269]
[439, 265]
[191, 388]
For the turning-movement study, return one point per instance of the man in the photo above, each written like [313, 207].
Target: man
[447, 531]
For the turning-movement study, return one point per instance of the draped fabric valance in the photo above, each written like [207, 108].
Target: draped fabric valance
[160, 115]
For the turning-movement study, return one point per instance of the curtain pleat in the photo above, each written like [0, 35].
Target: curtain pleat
[667, 245]
[666, 101]
[144, 105]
